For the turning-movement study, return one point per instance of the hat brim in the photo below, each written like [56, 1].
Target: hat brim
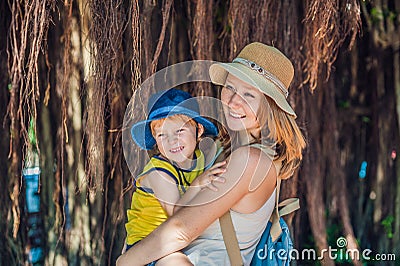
[219, 72]
[141, 131]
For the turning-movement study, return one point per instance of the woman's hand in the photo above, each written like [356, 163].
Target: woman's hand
[213, 174]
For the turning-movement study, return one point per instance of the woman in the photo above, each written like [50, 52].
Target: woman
[265, 143]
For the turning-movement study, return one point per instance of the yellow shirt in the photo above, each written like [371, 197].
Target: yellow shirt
[146, 213]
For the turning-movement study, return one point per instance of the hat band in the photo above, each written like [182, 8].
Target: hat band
[261, 71]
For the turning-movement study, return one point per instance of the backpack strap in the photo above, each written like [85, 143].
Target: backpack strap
[281, 209]
[276, 229]
[230, 239]
[288, 206]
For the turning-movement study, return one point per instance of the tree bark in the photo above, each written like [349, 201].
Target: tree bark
[146, 39]
[79, 235]
[383, 139]
[47, 180]
[336, 170]
[313, 171]
[94, 130]
[202, 43]
[396, 81]
[239, 27]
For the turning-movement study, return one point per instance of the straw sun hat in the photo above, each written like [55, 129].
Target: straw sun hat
[263, 67]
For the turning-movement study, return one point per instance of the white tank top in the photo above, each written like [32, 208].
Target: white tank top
[209, 248]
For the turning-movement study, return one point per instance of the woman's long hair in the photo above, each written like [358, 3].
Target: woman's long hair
[279, 131]
[282, 132]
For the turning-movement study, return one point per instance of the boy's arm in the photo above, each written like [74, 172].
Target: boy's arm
[165, 190]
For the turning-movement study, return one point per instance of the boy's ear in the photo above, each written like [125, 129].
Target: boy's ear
[200, 130]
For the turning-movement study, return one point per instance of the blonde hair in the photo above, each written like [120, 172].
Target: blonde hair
[180, 117]
[282, 130]
[279, 131]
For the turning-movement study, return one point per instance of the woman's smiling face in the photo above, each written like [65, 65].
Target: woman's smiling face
[241, 103]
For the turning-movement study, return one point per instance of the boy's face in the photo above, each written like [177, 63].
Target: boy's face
[176, 140]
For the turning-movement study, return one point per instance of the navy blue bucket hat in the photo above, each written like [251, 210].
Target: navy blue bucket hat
[164, 104]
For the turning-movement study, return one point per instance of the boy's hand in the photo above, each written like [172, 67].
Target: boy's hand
[206, 179]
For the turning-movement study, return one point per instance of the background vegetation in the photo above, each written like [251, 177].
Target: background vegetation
[69, 68]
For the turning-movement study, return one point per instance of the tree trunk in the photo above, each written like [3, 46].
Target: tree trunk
[383, 139]
[201, 47]
[47, 181]
[239, 27]
[79, 235]
[146, 37]
[396, 81]
[336, 169]
[313, 173]
[94, 132]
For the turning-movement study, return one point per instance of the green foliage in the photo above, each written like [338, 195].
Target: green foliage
[387, 226]
[31, 132]
[344, 104]
[366, 119]
[333, 232]
[377, 15]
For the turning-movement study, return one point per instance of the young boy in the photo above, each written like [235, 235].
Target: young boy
[174, 127]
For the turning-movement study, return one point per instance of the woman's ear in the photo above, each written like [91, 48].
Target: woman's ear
[200, 130]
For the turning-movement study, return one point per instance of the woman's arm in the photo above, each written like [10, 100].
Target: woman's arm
[188, 223]
[203, 181]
